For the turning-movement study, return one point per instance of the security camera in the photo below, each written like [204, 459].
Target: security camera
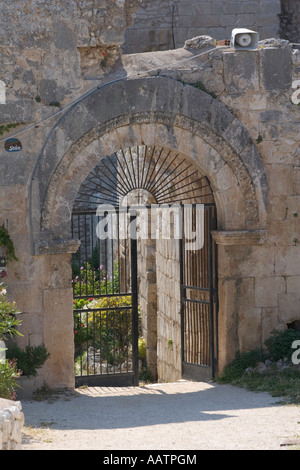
[244, 39]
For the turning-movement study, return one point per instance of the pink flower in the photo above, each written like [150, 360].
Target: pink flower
[3, 274]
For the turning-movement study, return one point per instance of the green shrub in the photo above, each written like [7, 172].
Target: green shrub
[280, 344]
[241, 362]
[142, 349]
[30, 359]
[8, 311]
[145, 374]
[8, 375]
[8, 324]
[278, 382]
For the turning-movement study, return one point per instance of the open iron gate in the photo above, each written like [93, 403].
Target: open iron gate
[106, 323]
[199, 301]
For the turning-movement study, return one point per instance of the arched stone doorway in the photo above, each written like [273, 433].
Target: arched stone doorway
[152, 111]
[170, 202]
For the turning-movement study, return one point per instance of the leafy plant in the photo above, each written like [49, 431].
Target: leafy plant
[241, 361]
[7, 127]
[283, 382]
[145, 374]
[7, 242]
[8, 368]
[142, 349]
[279, 344]
[8, 376]
[90, 280]
[29, 359]
[55, 104]
[111, 325]
[8, 321]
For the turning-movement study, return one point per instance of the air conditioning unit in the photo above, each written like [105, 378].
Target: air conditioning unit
[244, 39]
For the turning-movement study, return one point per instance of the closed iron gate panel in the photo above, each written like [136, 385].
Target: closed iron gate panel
[199, 301]
[105, 303]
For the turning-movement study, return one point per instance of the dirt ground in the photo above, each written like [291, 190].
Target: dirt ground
[166, 416]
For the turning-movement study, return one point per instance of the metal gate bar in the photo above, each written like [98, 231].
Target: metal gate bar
[199, 303]
[106, 306]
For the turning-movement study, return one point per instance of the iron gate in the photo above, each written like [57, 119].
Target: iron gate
[105, 301]
[199, 301]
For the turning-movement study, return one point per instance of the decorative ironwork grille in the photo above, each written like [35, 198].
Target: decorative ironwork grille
[105, 306]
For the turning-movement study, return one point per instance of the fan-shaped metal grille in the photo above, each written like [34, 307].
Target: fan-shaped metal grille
[152, 174]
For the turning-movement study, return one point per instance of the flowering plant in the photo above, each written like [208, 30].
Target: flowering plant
[8, 310]
[8, 323]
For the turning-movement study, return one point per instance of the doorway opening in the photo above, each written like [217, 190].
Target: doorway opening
[145, 297]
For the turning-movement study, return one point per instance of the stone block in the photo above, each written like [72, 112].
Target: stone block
[241, 71]
[219, 116]
[237, 135]
[240, 261]
[270, 322]
[289, 307]
[20, 111]
[297, 180]
[227, 20]
[280, 179]
[267, 290]
[276, 68]
[287, 260]
[48, 91]
[293, 284]
[64, 37]
[59, 337]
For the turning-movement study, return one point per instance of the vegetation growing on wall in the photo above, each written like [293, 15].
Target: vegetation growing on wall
[7, 243]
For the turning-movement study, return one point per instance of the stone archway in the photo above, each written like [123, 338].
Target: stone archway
[152, 111]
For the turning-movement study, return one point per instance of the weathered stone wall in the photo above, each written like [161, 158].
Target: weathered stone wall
[168, 310]
[46, 49]
[160, 25]
[290, 20]
[11, 424]
[242, 133]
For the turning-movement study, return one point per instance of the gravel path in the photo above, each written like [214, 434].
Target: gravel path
[170, 416]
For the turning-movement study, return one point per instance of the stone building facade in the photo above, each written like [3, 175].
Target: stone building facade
[74, 98]
[156, 25]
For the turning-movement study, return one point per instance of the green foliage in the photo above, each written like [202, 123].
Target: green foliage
[202, 87]
[110, 327]
[7, 127]
[285, 383]
[278, 382]
[8, 321]
[145, 374]
[7, 242]
[30, 359]
[90, 280]
[237, 367]
[8, 375]
[142, 349]
[279, 344]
